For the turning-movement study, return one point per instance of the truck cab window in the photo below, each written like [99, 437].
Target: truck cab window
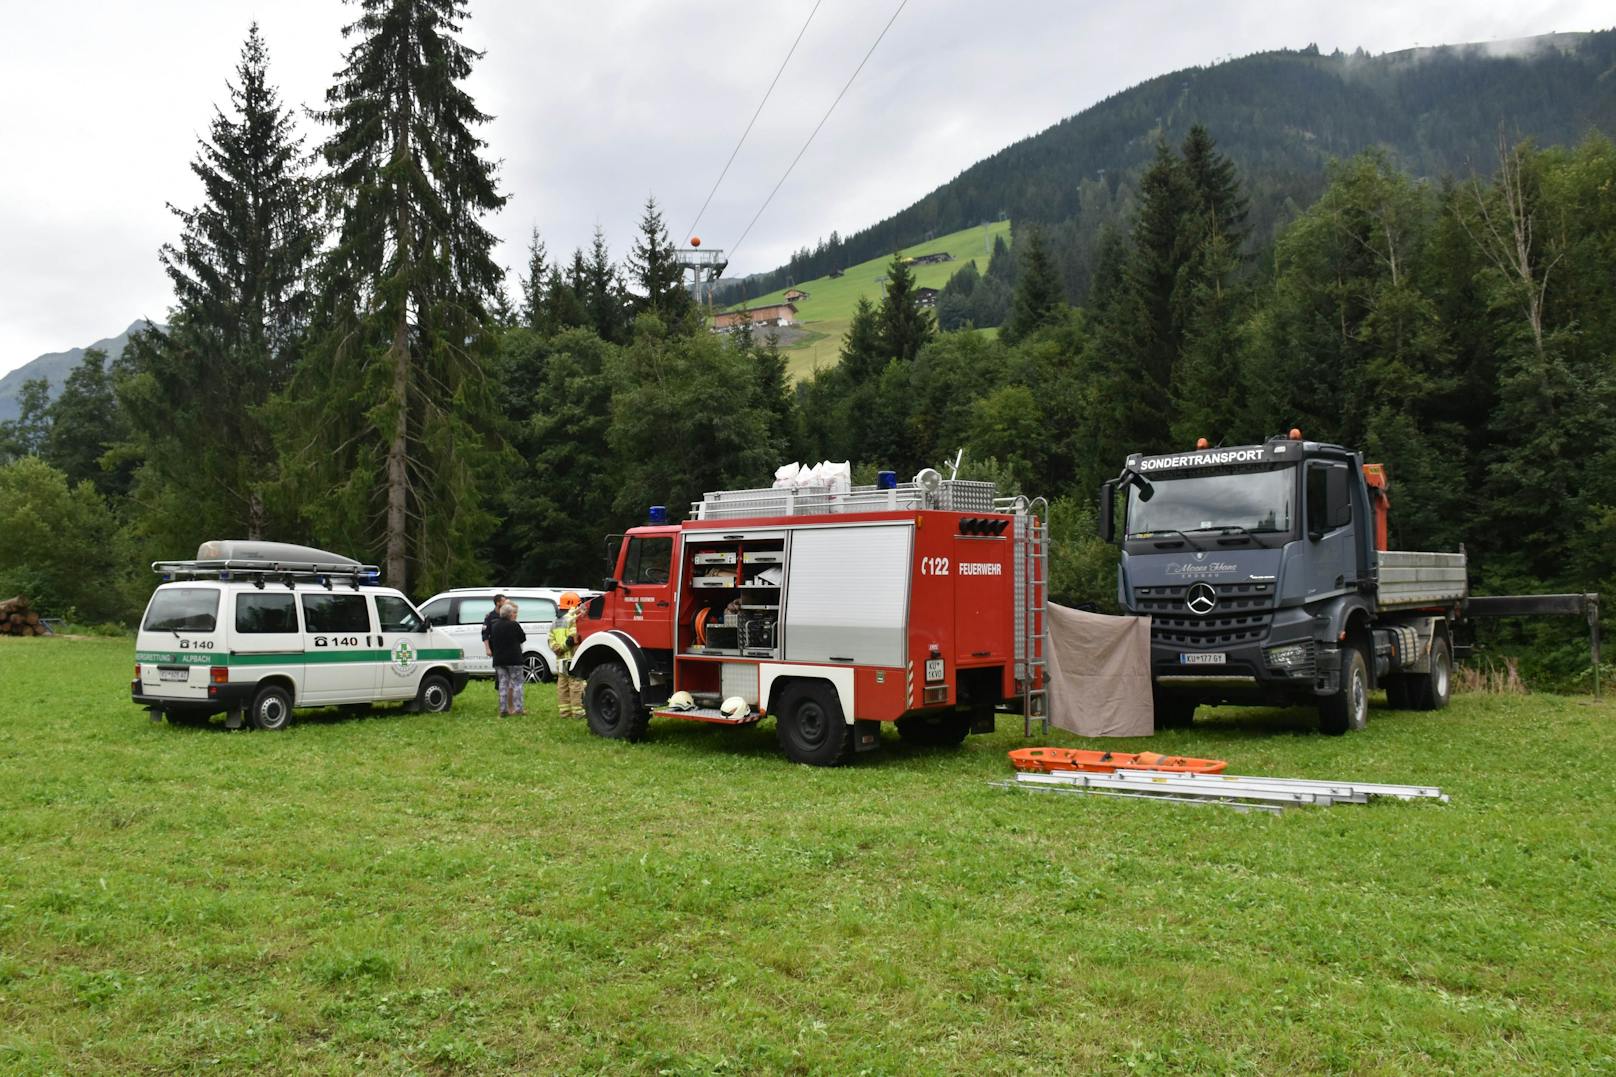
[1329, 503]
[648, 560]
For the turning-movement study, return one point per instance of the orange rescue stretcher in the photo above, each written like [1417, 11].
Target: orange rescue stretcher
[1048, 760]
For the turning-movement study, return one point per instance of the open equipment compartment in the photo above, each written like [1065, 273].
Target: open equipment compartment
[731, 608]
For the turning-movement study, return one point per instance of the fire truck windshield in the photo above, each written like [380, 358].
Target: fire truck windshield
[1254, 500]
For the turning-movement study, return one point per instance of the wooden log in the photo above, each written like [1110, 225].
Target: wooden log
[31, 617]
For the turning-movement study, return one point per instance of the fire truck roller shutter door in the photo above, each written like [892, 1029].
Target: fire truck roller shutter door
[847, 594]
[840, 679]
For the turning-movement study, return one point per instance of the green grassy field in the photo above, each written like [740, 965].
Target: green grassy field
[828, 310]
[439, 893]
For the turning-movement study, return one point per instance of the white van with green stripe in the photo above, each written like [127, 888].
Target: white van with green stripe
[254, 630]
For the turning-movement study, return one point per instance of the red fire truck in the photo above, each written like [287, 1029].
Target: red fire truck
[916, 603]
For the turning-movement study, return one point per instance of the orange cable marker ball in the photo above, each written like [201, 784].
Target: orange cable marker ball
[695, 241]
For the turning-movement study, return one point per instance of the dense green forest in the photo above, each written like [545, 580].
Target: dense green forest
[1281, 117]
[344, 367]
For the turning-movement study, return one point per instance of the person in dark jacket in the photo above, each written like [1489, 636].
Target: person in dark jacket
[489, 619]
[505, 639]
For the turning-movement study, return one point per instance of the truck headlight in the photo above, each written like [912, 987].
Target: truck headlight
[1289, 656]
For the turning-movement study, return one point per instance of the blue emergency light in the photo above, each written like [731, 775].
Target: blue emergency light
[886, 480]
[371, 575]
[659, 514]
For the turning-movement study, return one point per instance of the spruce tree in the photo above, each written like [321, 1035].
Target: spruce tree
[1040, 294]
[905, 326]
[240, 271]
[533, 307]
[603, 292]
[1212, 177]
[654, 268]
[401, 378]
[863, 350]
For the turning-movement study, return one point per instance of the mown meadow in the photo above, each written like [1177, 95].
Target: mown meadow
[399, 893]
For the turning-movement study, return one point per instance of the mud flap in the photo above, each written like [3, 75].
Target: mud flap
[234, 718]
[985, 721]
[866, 736]
[156, 713]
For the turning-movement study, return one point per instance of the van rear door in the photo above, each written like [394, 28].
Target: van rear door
[181, 638]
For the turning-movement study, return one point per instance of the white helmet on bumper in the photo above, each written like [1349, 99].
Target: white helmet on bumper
[735, 708]
[681, 701]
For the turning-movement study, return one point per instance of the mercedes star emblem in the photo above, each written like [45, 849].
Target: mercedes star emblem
[1200, 599]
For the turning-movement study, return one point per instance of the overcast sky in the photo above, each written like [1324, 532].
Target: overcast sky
[599, 104]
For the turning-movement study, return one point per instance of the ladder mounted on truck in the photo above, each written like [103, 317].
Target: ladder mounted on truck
[1032, 594]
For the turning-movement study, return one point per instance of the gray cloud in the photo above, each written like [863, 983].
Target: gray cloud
[598, 105]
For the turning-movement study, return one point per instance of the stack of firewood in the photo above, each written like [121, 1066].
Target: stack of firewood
[16, 619]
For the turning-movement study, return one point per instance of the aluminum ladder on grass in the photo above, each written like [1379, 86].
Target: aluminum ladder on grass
[1031, 595]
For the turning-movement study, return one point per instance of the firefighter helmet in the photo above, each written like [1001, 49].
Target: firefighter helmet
[681, 701]
[568, 600]
[735, 708]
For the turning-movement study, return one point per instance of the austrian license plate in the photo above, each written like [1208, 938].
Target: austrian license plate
[934, 669]
[1202, 658]
[173, 674]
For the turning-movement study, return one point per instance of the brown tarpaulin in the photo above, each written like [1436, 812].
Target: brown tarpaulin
[1099, 674]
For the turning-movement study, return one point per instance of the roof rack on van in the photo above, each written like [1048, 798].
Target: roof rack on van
[258, 571]
[255, 560]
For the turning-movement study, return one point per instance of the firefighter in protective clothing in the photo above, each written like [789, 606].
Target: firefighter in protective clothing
[563, 640]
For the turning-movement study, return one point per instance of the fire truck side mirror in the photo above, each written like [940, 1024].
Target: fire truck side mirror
[608, 584]
[1108, 510]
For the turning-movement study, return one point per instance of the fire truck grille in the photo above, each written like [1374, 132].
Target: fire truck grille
[1241, 614]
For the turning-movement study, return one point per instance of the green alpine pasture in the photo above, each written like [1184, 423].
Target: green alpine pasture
[396, 893]
[827, 312]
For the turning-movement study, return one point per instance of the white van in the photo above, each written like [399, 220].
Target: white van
[257, 629]
[459, 614]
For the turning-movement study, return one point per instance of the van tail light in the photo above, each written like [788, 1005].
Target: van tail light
[137, 671]
[218, 674]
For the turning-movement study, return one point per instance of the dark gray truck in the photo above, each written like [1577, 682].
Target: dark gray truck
[1264, 573]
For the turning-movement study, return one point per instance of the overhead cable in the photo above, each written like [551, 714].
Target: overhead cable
[810, 142]
[692, 229]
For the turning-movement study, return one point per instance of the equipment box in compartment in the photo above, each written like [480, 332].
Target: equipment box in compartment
[725, 580]
[765, 557]
[716, 557]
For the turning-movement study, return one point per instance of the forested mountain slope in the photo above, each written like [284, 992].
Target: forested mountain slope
[1279, 116]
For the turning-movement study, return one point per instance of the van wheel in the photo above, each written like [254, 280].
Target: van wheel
[435, 696]
[271, 709]
[534, 669]
[1431, 691]
[1348, 709]
[811, 726]
[935, 730]
[612, 705]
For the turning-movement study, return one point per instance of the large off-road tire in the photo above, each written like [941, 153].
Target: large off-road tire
[435, 695]
[1348, 709]
[1173, 712]
[1431, 691]
[271, 709]
[811, 726]
[612, 705]
[535, 670]
[946, 730]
